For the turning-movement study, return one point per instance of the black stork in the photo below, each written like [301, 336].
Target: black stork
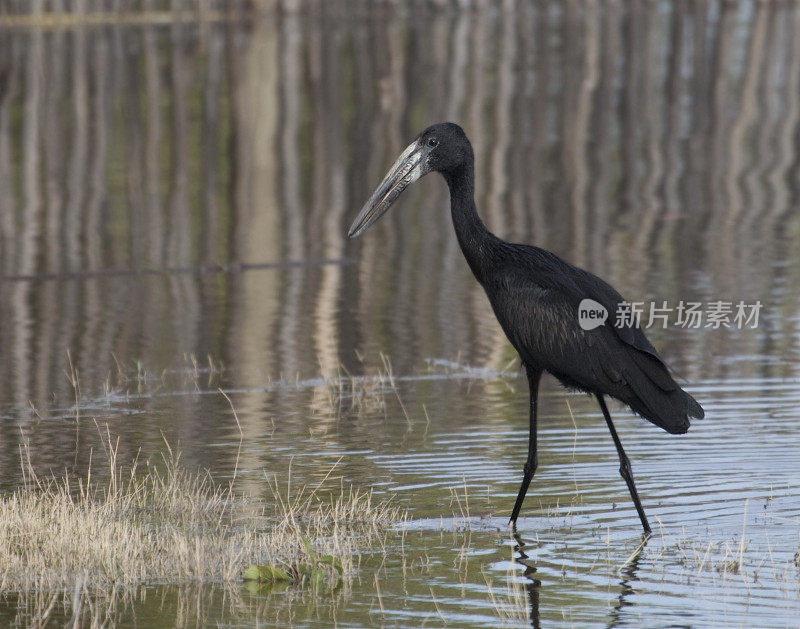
[536, 296]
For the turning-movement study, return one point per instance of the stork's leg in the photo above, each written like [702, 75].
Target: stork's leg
[532, 461]
[624, 465]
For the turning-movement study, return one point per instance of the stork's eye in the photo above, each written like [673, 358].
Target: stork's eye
[432, 142]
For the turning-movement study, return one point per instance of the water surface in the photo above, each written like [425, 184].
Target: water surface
[174, 201]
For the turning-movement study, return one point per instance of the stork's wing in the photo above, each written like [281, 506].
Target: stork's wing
[570, 285]
[537, 306]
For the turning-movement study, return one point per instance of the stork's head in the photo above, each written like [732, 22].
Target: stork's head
[443, 148]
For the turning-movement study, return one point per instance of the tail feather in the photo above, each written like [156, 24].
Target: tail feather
[693, 409]
[668, 407]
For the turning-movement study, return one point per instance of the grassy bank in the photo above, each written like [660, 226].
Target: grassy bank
[159, 523]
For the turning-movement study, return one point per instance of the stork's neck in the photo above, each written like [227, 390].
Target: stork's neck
[476, 241]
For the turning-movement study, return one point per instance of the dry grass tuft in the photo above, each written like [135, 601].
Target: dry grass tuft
[510, 600]
[163, 524]
[346, 394]
[64, 538]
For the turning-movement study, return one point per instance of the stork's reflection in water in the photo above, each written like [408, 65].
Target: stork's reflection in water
[533, 585]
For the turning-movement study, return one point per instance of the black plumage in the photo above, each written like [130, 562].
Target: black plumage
[535, 296]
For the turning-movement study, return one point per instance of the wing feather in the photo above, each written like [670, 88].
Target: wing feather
[539, 313]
